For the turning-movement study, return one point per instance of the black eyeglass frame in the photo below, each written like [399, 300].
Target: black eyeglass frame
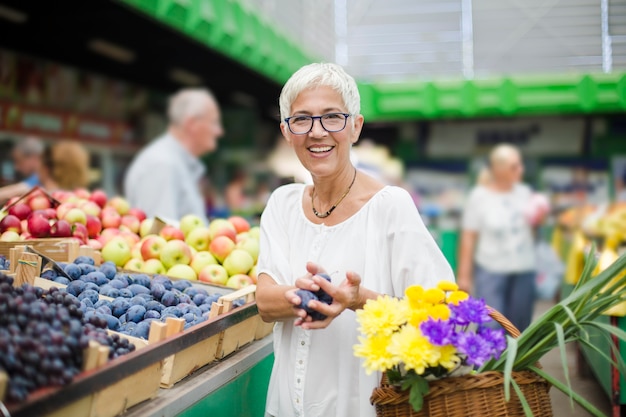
[313, 118]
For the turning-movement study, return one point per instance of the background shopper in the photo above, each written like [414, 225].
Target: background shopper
[26, 155]
[497, 250]
[164, 179]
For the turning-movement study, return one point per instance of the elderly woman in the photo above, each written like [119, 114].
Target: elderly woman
[367, 236]
[497, 251]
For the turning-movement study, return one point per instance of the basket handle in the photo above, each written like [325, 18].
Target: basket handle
[504, 322]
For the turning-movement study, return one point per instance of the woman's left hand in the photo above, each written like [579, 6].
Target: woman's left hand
[347, 295]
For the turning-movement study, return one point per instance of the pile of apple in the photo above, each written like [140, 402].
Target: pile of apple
[222, 252]
[80, 214]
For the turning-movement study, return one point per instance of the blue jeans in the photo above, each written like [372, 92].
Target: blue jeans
[512, 294]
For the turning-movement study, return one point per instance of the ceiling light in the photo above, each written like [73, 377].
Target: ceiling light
[111, 50]
[12, 15]
[185, 77]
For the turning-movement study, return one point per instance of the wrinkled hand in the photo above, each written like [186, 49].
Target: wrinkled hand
[346, 295]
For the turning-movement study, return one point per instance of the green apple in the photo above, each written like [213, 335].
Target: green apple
[153, 267]
[222, 227]
[238, 261]
[182, 271]
[145, 227]
[151, 246]
[253, 274]
[238, 281]
[175, 252]
[250, 245]
[199, 238]
[213, 274]
[255, 231]
[75, 215]
[202, 259]
[10, 236]
[189, 222]
[117, 250]
[134, 264]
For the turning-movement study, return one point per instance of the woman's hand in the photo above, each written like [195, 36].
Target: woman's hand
[347, 295]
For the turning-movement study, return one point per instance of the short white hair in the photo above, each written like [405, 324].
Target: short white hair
[188, 103]
[320, 74]
[29, 146]
[503, 153]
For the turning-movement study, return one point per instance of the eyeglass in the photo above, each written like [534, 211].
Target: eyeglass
[331, 122]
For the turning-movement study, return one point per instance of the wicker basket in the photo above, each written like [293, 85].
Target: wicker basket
[477, 395]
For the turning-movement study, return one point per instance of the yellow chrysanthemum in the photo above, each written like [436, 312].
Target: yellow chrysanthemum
[375, 351]
[434, 296]
[382, 316]
[439, 312]
[447, 286]
[456, 297]
[412, 349]
[447, 357]
[415, 295]
[417, 316]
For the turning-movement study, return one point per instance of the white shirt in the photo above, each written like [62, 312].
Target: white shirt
[315, 372]
[505, 241]
[164, 180]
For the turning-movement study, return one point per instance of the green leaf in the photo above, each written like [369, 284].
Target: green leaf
[561, 339]
[619, 364]
[614, 330]
[508, 366]
[522, 398]
[394, 376]
[563, 388]
[418, 388]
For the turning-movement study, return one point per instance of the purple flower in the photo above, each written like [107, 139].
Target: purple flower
[469, 311]
[438, 332]
[495, 338]
[474, 347]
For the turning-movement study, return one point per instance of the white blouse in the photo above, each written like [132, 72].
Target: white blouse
[315, 372]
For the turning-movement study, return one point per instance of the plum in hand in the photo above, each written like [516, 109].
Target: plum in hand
[322, 295]
[305, 297]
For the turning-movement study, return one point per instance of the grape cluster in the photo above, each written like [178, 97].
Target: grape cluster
[42, 337]
[319, 295]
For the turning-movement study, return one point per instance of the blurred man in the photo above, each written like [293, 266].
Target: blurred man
[27, 154]
[164, 179]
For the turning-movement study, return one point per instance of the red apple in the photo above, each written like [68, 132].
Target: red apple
[120, 204]
[50, 213]
[79, 231]
[59, 195]
[99, 197]
[20, 210]
[139, 213]
[61, 228]
[38, 225]
[170, 232]
[39, 202]
[110, 218]
[131, 222]
[82, 193]
[94, 244]
[221, 247]
[12, 223]
[130, 237]
[240, 223]
[222, 227]
[24, 224]
[213, 274]
[94, 226]
[107, 234]
[151, 246]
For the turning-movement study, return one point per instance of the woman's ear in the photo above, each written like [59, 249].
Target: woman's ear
[358, 126]
[285, 131]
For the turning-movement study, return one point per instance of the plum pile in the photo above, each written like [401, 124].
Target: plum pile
[137, 299]
[42, 337]
[5, 264]
[319, 295]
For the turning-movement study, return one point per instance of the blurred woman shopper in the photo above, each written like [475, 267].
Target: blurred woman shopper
[497, 250]
[26, 155]
[367, 236]
[65, 166]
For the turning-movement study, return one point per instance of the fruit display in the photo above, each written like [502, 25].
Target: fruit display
[5, 264]
[42, 337]
[128, 302]
[222, 252]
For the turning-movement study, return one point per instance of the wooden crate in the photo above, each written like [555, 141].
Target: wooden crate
[57, 249]
[241, 333]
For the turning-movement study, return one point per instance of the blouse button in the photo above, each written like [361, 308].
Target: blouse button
[302, 343]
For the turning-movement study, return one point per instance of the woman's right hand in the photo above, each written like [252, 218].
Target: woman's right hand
[305, 283]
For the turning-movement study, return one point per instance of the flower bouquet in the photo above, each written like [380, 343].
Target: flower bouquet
[444, 353]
